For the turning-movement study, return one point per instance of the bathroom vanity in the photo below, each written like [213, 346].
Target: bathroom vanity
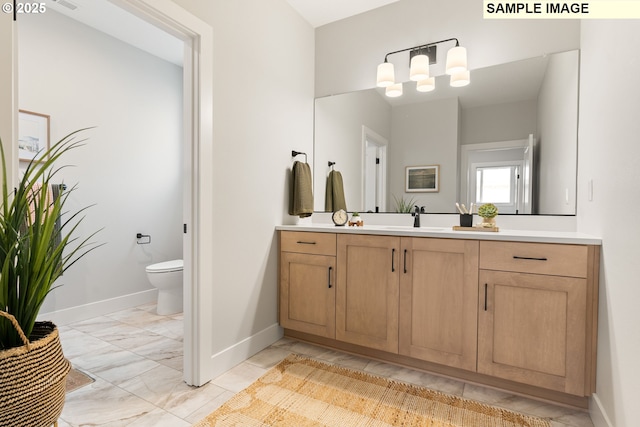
[514, 310]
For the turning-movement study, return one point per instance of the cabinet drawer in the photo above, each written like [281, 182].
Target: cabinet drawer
[308, 242]
[537, 258]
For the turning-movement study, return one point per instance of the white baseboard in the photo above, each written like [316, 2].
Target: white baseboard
[239, 352]
[99, 308]
[598, 414]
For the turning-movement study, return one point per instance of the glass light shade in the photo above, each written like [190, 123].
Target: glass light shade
[419, 68]
[394, 91]
[456, 60]
[426, 85]
[460, 79]
[386, 75]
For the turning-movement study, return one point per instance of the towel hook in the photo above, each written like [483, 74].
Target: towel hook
[296, 153]
[331, 164]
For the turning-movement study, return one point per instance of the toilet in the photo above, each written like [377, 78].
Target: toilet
[167, 277]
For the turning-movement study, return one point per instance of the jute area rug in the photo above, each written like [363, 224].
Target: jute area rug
[300, 392]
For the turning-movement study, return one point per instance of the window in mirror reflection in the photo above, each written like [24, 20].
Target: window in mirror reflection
[498, 184]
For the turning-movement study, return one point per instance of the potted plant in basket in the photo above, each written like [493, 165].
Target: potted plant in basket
[36, 247]
[488, 213]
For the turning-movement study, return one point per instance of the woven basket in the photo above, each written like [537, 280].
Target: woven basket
[32, 378]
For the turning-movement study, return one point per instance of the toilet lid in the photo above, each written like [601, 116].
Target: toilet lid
[163, 267]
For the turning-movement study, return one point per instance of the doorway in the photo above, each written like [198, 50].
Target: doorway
[196, 37]
[374, 171]
[198, 156]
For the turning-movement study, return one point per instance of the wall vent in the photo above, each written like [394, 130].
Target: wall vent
[67, 4]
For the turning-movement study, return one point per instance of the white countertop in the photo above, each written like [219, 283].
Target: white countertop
[565, 237]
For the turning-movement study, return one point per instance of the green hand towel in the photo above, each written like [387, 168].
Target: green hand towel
[301, 197]
[334, 195]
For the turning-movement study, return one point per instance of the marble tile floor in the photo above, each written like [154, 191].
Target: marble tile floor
[135, 357]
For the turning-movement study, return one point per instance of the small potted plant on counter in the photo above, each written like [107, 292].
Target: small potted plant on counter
[356, 220]
[488, 213]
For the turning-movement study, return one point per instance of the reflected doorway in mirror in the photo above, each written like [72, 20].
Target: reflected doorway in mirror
[374, 179]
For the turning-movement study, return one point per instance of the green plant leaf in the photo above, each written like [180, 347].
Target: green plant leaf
[402, 205]
[488, 210]
[34, 249]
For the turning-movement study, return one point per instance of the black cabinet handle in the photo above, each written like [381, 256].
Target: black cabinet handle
[405, 261]
[330, 269]
[530, 258]
[393, 260]
[485, 296]
[306, 243]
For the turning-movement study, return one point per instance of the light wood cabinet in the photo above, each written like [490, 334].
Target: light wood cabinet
[536, 258]
[534, 315]
[307, 282]
[367, 291]
[514, 315]
[439, 301]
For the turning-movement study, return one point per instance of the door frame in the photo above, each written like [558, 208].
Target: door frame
[197, 176]
[381, 177]
[198, 150]
[526, 145]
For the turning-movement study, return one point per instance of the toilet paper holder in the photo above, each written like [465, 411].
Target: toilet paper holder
[140, 236]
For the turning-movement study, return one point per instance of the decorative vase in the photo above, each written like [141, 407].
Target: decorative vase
[356, 221]
[489, 222]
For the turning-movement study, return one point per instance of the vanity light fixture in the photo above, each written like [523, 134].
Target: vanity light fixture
[426, 85]
[393, 91]
[420, 58]
[456, 59]
[386, 75]
[419, 69]
[460, 79]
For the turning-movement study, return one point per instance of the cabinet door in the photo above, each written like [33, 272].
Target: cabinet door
[307, 293]
[532, 329]
[439, 301]
[367, 291]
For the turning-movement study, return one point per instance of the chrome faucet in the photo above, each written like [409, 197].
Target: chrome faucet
[416, 215]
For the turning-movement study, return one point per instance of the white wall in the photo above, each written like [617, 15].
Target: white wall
[556, 142]
[260, 114]
[338, 132]
[501, 122]
[130, 167]
[428, 135]
[609, 155]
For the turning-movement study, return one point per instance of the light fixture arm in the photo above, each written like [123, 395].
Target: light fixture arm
[422, 46]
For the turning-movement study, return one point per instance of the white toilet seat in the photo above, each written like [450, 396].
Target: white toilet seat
[166, 266]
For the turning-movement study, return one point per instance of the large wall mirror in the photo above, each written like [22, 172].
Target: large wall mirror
[510, 137]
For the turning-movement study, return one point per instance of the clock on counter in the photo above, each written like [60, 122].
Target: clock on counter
[340, 217]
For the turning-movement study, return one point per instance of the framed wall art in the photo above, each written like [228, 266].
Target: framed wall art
[422, 179]
[33, 135]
